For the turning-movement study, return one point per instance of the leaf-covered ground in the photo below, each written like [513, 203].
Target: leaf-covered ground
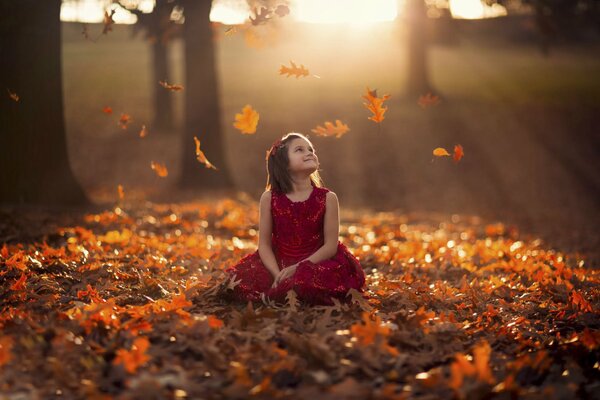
[124, 303]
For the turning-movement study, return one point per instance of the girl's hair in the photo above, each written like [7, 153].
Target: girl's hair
[278, 176]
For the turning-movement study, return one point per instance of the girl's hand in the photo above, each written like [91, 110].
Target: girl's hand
[284, 274]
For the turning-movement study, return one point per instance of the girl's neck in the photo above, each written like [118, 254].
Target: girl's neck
[301, 184]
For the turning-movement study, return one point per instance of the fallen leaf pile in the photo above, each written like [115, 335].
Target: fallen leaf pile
[127, 302]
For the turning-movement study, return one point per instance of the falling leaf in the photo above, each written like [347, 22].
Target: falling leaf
[247, 121]
[13, 96]
[428, 100]
[108, 21]
[375, 105]
[159, 168]
[440, 152]
[134, 358]
[124, 120]
[200, 155]
[458, 153]
[261, 16]
[121, 192]
[330, 129]
[282, 10]
[171, 87]
[293, 70]
[107, 110]
[143, 132]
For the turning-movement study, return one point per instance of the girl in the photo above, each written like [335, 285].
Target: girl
[298, 246]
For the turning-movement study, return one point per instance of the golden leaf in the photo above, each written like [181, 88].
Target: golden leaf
[247, 121]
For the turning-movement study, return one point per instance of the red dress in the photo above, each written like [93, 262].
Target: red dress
[297, 233]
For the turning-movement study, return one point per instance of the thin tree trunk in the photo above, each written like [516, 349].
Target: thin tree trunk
[163, 104]
[34, 164]
[202, 106]
[417, 81]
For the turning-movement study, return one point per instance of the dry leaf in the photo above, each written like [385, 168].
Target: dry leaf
[375, 105]
[293, 70]
[458, 153]
[143, 132]
[171, 87]
[428, 100]
[159, 168]
[247, 121]
[13, 96]
[440, 152]
[107, 110]
[124, 120]
[330, 129]
[108, 21]
[200, 155]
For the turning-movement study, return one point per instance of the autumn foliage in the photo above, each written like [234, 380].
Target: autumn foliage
[129, 299]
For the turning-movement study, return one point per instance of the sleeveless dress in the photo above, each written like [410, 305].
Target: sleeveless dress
[296, 234]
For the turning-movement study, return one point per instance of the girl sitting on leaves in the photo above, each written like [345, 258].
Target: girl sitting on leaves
[298, 245]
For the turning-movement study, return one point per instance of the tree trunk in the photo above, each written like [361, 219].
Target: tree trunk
[34, 164]
[163, 102]
[202, 106]
[417, 81]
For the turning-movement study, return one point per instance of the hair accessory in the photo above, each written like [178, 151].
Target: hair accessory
[275, 146]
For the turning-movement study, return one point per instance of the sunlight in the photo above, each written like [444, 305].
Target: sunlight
[345, 11]
[230, 12]
[475, 9]
[92, 11]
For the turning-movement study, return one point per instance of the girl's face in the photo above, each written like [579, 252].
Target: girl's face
[302, 157]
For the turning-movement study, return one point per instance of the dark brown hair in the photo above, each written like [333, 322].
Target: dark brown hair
[278, 176]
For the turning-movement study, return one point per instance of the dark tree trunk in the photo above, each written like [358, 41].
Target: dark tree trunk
[202, 106]
[163, 103]
[34, 164]
[417, 80]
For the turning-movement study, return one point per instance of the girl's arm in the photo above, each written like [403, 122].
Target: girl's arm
[265, 226]
[331, 230]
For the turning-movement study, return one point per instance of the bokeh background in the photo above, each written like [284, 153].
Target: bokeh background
[519, 91]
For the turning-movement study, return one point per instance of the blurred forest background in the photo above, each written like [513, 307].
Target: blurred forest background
[520, 92]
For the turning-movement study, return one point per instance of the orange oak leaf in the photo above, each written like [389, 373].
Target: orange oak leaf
[262, 16]
[200, 155]
[298, 71]
[247, 121]
[159, 168]
[143, 131]
[124, 120]
[107, 110]
[428, 100]
[12, 95]
[375, 105]
[171, 87]
[338, 129]
[134, 358]
[458, 153]
[440, 152]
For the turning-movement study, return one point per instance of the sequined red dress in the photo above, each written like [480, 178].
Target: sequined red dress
[297, 234]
